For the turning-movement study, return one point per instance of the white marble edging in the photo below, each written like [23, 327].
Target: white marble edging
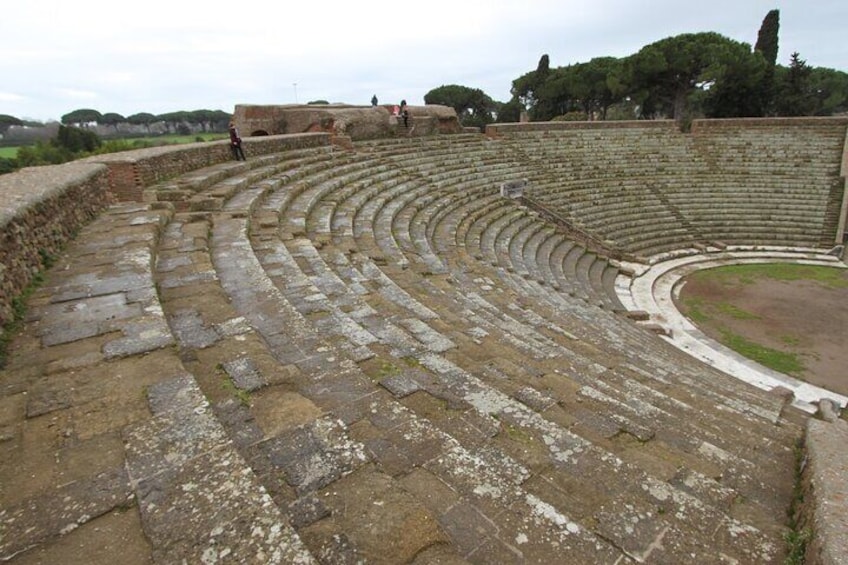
[652, 289]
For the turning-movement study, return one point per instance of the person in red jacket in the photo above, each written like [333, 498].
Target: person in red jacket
[235, 143]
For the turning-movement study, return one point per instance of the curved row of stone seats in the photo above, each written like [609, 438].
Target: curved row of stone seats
[491, 174]
[494, 172]
[187, 328]
[108, 442]
[209, 187]
[485, 223]
[295, 446]
[611, 215]
[333, 258]
[681, 213]
[791, 145]
[478, 188]
[778, 172]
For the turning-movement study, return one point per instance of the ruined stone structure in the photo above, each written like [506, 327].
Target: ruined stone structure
[331, 354]
[356, 122]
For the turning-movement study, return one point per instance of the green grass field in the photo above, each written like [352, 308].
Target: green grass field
[12, 152]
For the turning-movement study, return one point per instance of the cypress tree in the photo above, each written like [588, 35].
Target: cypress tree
[767, 45]
[767, 37]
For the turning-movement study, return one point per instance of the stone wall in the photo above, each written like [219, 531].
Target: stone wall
[41, 208]
[735, 123]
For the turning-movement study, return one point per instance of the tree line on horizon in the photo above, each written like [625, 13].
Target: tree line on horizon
[178, 122]
[75, 137]
[684, 77]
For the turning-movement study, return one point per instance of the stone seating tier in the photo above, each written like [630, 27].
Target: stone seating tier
[356, 354]
[585, 177]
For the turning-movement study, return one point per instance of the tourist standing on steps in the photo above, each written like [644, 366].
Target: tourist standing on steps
[404, 113]
[235, 143]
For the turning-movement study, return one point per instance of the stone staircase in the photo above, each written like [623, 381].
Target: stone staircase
[343, 356]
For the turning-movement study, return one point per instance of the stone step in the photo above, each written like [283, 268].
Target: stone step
[187, 472]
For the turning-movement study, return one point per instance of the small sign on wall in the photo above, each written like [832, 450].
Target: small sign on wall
[513, 189]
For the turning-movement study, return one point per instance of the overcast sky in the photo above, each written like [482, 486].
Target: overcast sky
[161, 56]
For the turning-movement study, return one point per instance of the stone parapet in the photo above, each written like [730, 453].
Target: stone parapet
[701, 125]
[494, 130]
[824, 515]
[41, 208]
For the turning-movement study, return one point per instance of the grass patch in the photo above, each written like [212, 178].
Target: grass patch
[735, 312]
[8, 152]
[18, 312]
[230, 387]
[178, 139]
[698, 310]
[798, 536]
[773, 359]
[410, 361]
[791, 340]
[517, 434]
[377, 369]
[135, 142]
[717, 317]
[694, 309]
[796, 543]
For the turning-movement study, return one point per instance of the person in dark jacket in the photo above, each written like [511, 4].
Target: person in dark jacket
[404, 113]
[235, 143]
